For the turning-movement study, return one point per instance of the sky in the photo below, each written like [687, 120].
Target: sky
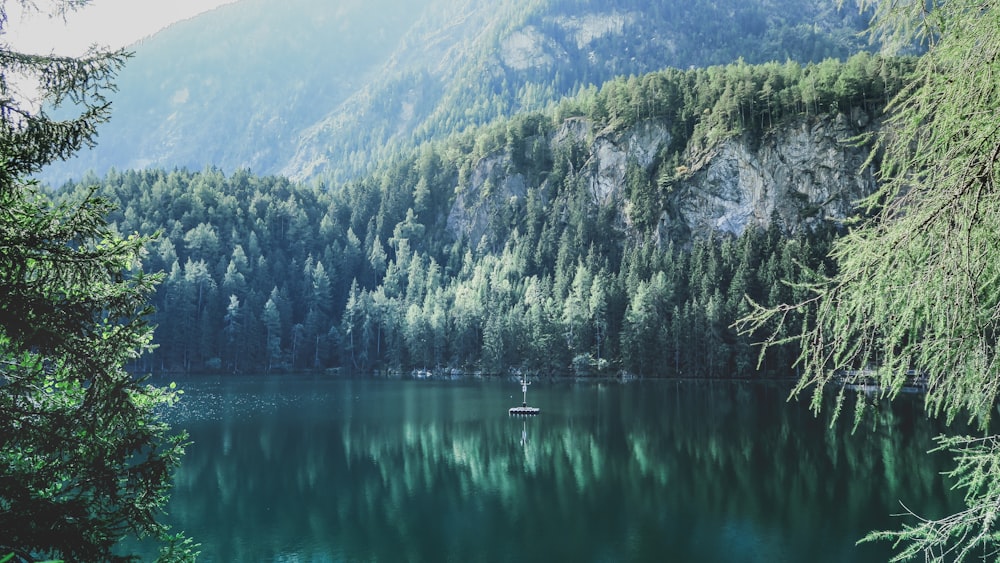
[108, 23]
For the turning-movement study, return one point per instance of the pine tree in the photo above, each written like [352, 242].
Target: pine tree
[271, 318]
[234, 331]
[84, 458]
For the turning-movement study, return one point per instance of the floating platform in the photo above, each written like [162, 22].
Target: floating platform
[524, 409]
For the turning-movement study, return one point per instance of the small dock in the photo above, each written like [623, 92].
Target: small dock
[524, 409]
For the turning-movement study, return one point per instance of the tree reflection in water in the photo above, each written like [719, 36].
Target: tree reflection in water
[310, 470]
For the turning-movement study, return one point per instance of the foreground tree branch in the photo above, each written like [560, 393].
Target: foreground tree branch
[84, 458]
[918, 286]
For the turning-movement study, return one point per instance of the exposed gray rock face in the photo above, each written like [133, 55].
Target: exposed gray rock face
[803, 173]
[585, 29]
[610, 155]
[530, 49]
[488, 191]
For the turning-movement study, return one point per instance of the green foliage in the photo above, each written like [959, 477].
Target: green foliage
[915, 292]
[706, 105]
[965, 535]
[489, 311]
[84, 457]
[935, 213]
[484, 252]
[178, 548]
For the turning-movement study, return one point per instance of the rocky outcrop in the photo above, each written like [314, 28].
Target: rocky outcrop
[530, 49]
[804, 172]
[587, 28]
[491, 189]
[610, 155]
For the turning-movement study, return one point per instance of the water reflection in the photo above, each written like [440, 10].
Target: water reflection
[309, 470]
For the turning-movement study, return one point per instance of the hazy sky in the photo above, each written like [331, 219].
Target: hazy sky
[111, 23]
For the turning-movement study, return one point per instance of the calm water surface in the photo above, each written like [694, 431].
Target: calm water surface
[316, 470]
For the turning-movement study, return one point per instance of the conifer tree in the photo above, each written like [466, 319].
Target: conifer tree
[84, 458]
[917, 288]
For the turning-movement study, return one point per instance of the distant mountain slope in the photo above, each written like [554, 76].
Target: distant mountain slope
[586, 239]
[322, 89]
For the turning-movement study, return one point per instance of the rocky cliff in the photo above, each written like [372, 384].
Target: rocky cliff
[804, 172]
[808, 170]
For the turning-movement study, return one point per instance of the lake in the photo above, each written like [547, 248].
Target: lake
[320, 470]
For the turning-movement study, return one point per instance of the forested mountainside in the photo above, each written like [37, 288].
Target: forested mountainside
[319, 89]
[618, 231]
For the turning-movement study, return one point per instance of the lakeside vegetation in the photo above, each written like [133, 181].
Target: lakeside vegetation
[374, 273]
[261, 271]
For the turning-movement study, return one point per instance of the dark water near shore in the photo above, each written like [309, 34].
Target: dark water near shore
[302, 469]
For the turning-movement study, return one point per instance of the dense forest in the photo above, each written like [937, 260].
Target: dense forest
[265, 273]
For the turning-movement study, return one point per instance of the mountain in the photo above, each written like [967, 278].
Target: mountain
[320, 89]
[619, 230]
[236, 86]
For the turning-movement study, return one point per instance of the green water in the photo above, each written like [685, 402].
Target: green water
[314, 470]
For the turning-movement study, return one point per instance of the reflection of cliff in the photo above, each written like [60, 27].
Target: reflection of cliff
[641, 470]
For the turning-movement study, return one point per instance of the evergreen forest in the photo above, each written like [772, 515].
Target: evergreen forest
[263, 273]
[534, 188]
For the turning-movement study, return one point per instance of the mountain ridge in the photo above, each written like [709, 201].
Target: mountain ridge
[321, 91]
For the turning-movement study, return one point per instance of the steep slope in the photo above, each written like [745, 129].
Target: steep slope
[488, 60]
[592, 237]
[235, 87]
[319, 89]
